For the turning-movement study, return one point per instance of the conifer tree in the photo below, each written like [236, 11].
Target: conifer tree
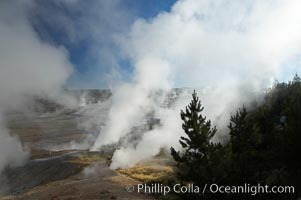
[196, 160]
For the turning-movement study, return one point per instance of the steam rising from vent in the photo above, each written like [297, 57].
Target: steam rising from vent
[232, 50]
[28, 67]
[12, 152]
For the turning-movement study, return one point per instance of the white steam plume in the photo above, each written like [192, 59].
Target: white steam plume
[232, 48]
[28, 67]
[125, 114]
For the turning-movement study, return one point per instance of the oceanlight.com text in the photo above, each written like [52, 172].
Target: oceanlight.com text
[157, 188]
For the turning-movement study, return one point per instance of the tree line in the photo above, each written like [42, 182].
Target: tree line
[264, 146]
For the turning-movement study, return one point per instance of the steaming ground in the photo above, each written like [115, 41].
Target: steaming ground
[141, 129]
[59, 140]
[60, 165]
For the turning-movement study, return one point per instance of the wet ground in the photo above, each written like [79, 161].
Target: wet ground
[60, 166]
[66, 177]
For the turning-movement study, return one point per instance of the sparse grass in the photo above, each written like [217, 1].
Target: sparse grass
[151, 173]
[91, 158]
[159, 169]
[87, 159]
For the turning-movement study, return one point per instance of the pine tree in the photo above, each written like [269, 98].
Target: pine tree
[240, 144]
[199, 153]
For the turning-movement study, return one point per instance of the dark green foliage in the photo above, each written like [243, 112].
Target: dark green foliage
[200, 162]
[264, 145]
[265, 141]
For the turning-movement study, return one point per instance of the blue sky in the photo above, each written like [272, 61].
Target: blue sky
[90, 32]
[57, 22]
